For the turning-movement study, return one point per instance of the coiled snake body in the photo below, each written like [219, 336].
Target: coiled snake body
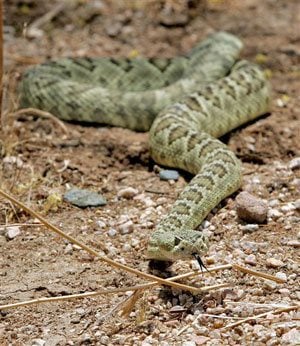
[186, 102]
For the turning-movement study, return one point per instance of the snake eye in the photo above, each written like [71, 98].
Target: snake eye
[177, 241]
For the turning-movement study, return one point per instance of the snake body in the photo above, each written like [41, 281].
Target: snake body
[186, 102]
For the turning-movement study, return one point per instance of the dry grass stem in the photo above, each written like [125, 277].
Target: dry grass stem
[256, 273]
[68, 297]
[41, 114]
[257, 305]
[41, 21]
[7, 225]
[130, 303]
[25, 60]
[252, 318]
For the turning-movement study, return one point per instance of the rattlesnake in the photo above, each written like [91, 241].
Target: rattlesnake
[186, 102]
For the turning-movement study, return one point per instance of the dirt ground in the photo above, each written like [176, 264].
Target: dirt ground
[39, 160]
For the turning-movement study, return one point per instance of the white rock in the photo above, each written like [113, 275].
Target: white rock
[189, 343]
[287, 207]
[294, 243]
[249, 228]
[161, 200]
[205, 224]
[270, 285]
[104, 340]
[38, 342]
[126, 227]
[274, 214]
[100, 224]
[135, 242]
[12, 232]
[256, 180]
[294, 163]
[297, 204]
[126, 247]
[111, 232]
[68, 249]
[284, 292]
[273, 202]
[13, 160]
[281, 276]
[128, 192]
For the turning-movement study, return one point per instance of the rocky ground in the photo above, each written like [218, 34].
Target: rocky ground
[40, 162]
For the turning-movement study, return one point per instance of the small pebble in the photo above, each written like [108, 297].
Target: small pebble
[205, 224]
[111, 232]
[13, 160]
[128, 192]
[250, 246]
[189, 343]
[297, 204]
[251, 259]
[249, 228]
[38, 342]
[104, 340]
[294, 163]
[68, 249]
[100, 224]
[126, 247]
[126, 227]
[270, 285]
[210, 260]
[284, 292]
[250, 208]
[274, 214]
[287, 208]
[84, 198]
[281, 276]
[168, 174]
[294, 243]
[12, 232]
[274, 263]
[273, 202]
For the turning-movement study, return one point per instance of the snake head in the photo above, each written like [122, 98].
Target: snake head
[171, 246]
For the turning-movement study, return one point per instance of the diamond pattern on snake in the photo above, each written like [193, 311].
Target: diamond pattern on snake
[186, 103]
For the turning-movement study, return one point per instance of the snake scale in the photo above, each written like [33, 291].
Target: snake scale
[186, 102]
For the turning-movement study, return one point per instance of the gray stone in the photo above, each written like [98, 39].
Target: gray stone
[84, 198]
[12, 232]
[168, 174]
[250, 208]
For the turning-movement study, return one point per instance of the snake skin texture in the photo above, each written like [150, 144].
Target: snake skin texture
[186, 103]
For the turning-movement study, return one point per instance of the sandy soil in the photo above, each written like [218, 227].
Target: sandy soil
[39, 160]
